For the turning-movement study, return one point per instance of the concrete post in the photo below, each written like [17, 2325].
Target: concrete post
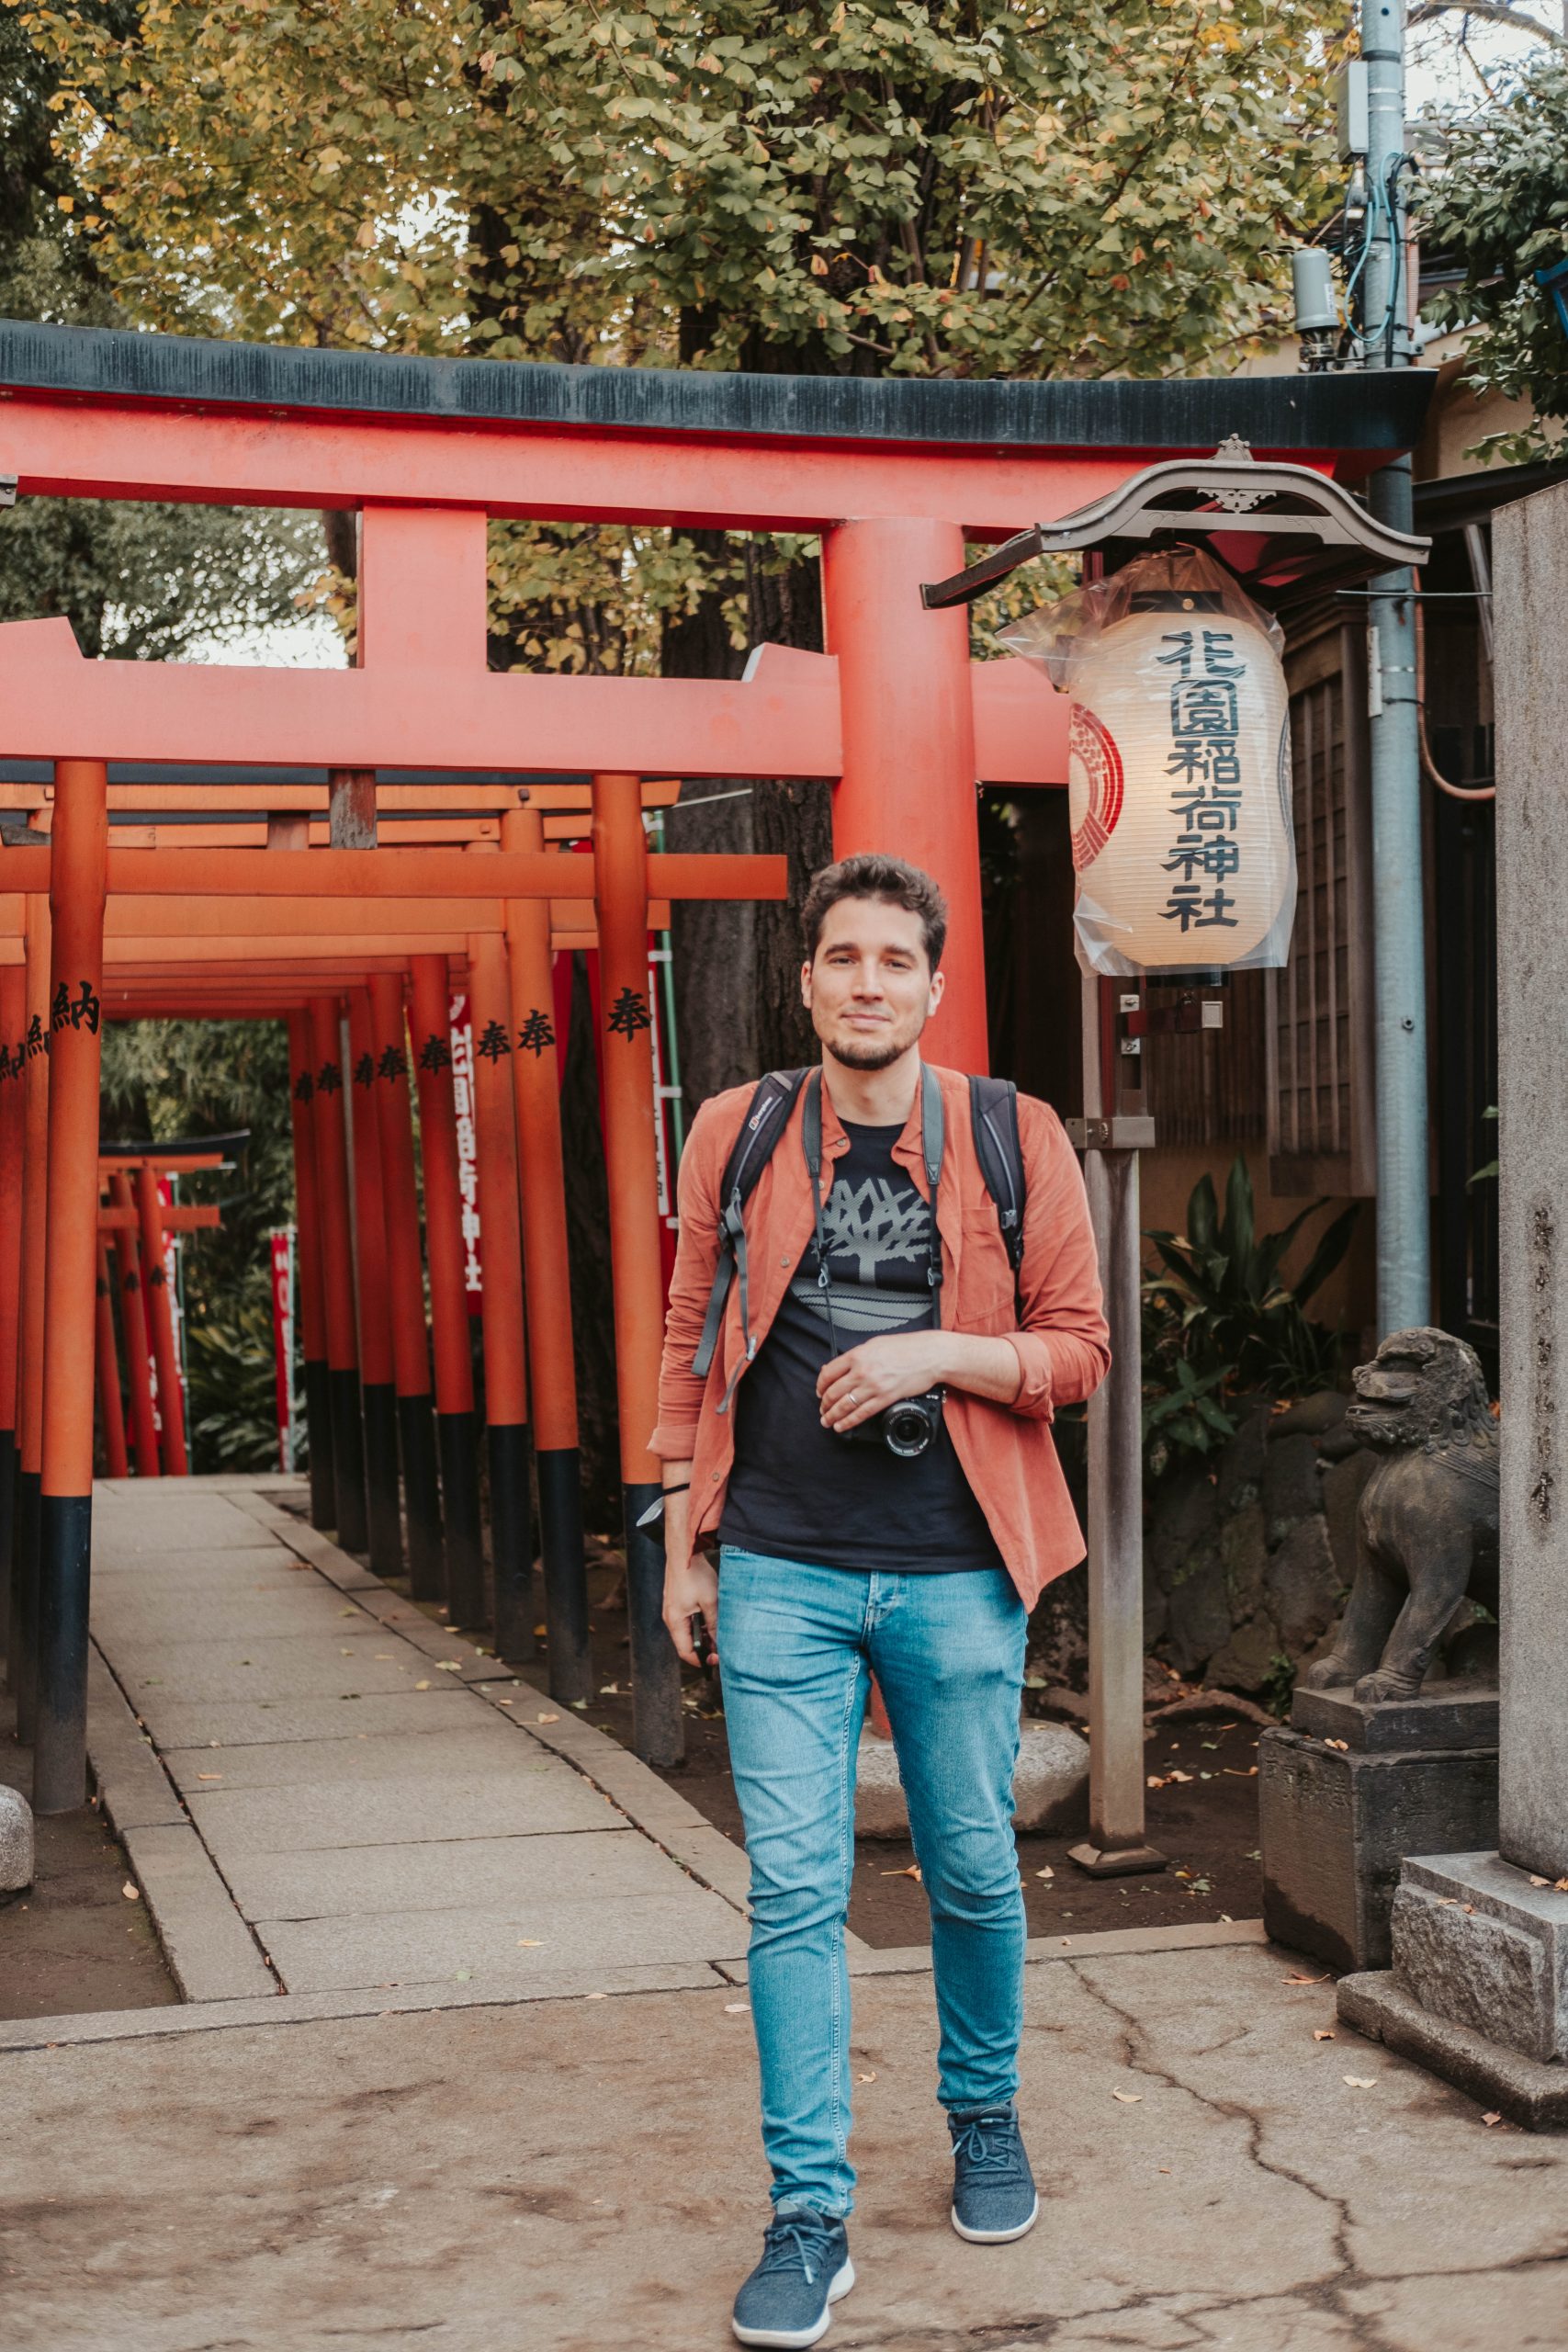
[1479, 1986]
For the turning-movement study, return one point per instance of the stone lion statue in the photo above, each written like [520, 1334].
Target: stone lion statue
[1426, 1528]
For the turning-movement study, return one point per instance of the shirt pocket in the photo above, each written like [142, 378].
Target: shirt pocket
[986, 1300]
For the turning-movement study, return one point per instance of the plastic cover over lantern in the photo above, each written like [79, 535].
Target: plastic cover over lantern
[1179, 766]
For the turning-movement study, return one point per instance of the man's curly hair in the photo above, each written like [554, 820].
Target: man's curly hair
[871, 875]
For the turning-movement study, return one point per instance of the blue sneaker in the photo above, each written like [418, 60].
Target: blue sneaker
[806, 2265]
[993, 2188]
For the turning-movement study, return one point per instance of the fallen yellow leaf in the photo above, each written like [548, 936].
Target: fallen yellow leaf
[1046, 1872]
[1129, 2098]
[1307, 1980]
[865, 2078]
[529, 1943]
[1322, 2033]
[736, 2008]
[131, 1893]
[210, 1776]
[1492, 2118]
[421, 1686]
[1360, 2081]
[913, 1872]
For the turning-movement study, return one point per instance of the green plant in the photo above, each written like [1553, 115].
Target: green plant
[232, 1403]
[1487, 1175]
[1184, 1418]
[1222, 1305]
[1279, 1685]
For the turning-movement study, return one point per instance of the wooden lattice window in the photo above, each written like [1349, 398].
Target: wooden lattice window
[1319, 1033]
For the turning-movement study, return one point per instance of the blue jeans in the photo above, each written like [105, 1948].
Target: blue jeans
[798, 1645]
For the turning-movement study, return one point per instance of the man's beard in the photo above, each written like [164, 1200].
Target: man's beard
[881, 1056]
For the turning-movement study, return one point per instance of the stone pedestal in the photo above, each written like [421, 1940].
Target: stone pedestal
[1479, 1988]
[1050, 1786]
[1335, 1822]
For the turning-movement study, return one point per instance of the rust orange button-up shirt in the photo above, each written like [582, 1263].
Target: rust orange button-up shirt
[1055, 1325]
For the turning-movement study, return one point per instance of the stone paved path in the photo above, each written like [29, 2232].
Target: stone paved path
[382, 1805]
[573, 2175]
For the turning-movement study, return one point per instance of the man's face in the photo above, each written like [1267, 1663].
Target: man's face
[870, 988]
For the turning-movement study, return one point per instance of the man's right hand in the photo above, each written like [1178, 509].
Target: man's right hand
[691, 1588]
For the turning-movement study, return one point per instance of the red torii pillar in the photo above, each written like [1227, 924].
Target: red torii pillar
[161, 1322]
[138, 1342]
[430, 1030]
[338, 1274]
[77, 888]
[631, 1158]
[111, 1404]
[505, 1357]
[536, 1083]
[377, 1387]
[405, 1284]
[13, 1061]
[29, 1336]
[308, 1260]
[907, 701]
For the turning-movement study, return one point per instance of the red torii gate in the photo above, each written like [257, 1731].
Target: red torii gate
[894, 476]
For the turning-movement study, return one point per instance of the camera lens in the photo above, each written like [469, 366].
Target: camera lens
[908, 1430]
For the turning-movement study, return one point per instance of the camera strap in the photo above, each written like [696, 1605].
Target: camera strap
[932, 1140]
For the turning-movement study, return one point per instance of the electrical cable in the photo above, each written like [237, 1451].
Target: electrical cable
[1454, 791]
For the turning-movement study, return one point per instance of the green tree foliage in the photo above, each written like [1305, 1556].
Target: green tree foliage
[148, 580]
[1499, 204]
[953, 187]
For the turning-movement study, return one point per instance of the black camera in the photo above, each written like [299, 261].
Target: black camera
[905, 1428]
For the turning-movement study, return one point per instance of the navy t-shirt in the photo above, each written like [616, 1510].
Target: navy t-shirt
[800, 1492]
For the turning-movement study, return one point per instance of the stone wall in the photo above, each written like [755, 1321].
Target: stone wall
[1247, 1561]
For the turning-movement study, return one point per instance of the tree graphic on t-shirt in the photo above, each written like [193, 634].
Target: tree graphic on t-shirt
[876, 1223]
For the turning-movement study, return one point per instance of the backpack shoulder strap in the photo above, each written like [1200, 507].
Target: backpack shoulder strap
[993, 1112]
[765, 1121]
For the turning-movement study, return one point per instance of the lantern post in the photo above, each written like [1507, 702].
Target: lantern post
[1167, 717]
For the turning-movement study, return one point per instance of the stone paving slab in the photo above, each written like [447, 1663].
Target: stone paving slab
[193, 2018]
[133, 1787]
[521, 1801]
[175, 1572]
[473, 1748]
[240, 1723]
[475, 1873]
[372, 1830]
[131, 1612]
[207, 1943]
[297, 1667]
[508, 1942]
[570, 2174]
[188, 1521]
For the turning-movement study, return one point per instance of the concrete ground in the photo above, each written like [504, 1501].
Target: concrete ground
[562, 2176]
[463, 2056]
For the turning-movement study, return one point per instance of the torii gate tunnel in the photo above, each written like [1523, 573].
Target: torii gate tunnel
[361, 938]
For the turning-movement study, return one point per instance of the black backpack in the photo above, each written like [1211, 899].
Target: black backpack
[993, 1116]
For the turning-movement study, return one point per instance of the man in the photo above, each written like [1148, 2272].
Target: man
[843, 1556]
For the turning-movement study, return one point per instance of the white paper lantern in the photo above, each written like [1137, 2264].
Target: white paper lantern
[1180, 792]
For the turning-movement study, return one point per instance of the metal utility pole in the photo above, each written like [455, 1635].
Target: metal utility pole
[1404, 1281]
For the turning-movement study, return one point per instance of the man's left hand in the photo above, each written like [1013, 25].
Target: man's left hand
[865, 1382]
